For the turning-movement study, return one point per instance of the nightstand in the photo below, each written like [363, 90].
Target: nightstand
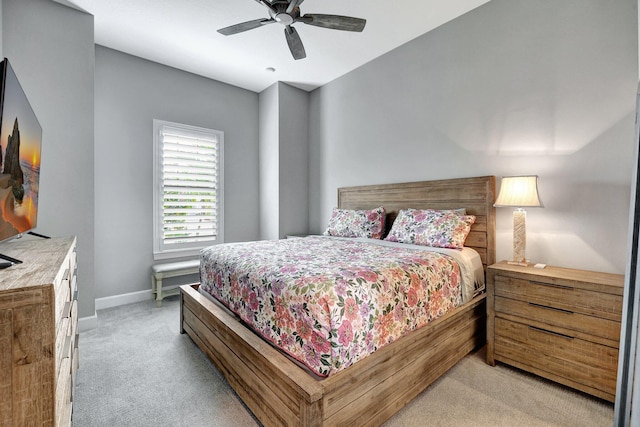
[559, 323]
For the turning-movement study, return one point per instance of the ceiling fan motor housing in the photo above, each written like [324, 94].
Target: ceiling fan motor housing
[280, 14]
[283, 18]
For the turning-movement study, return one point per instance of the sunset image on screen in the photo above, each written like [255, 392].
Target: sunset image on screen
[20, 142]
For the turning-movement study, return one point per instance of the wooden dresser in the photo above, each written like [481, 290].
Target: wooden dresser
[559, 323]
[38, 332]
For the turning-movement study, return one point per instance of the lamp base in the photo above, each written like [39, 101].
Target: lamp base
[522, 264]
[519, 237]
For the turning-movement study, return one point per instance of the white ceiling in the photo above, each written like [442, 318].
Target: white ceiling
[182, 34]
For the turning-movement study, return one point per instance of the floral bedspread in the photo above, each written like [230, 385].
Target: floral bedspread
[326, 302]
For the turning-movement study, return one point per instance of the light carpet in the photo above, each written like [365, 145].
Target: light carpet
[136, 369]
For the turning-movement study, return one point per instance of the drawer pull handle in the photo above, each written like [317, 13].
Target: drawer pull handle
[74, 283]
[553, 285]
[66, 350]
[67, 310]
[557, 334]
[551, 308]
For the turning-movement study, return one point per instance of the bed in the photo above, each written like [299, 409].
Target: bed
[280, 392]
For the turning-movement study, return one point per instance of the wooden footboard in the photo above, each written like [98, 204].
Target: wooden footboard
[279, 392]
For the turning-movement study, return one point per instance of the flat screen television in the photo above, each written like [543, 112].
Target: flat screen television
[20, 148]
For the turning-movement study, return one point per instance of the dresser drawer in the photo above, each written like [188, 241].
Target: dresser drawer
[568, 360]
[65, 332]
[557, 295]
[73, 273]
[565, 318]
[65, 350]
[62, 333]
[63, 393]
[62, 292]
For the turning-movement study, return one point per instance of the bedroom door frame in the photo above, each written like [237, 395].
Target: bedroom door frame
[628, 386]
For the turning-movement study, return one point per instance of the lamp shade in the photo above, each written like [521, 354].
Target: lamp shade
[519, 192]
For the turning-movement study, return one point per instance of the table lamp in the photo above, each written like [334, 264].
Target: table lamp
[519, 192]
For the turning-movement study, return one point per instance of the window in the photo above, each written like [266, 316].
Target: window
[188, 196]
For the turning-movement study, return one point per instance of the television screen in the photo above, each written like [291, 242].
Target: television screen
[20, 145]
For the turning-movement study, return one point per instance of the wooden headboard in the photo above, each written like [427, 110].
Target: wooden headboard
[477, 195]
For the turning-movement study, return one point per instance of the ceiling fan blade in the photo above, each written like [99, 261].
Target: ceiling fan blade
[267, 5]
[295, 44]
[293, 4]
[334, 22]
[245, 26]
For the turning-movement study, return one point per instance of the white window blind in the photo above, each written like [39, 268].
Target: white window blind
[189, 188]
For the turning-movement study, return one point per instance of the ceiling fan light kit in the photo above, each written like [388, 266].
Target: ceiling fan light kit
[287, 13]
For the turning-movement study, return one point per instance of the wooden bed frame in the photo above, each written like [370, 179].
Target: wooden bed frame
[369, 392]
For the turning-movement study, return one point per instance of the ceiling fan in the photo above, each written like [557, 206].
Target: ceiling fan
[287, 12]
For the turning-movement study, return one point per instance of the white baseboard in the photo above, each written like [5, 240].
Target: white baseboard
[118, 300]
[91, 322]
[88, 323]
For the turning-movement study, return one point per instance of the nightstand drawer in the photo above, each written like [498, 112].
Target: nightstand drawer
[560, 296]
[566, 359]
[564, 318]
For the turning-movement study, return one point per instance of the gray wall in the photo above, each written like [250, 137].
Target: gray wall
[513, 87]
[269, 163]
[284, 161]
[130, 92]
[294, 160]
[51, 50]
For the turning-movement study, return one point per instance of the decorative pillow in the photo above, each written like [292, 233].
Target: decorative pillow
[459, 211]
[356, 223]
[440, 229]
